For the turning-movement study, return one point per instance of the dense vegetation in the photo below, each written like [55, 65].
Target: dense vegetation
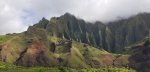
[6, 67]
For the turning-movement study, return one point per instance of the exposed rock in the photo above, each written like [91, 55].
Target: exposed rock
[0, 53]
[36, 52]
[0, 47]
[35, 55]
[67, 44]
[52, 47]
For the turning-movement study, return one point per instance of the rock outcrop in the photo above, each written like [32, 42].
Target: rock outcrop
[37, 51]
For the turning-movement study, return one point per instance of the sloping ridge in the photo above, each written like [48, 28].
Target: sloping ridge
[36, 52]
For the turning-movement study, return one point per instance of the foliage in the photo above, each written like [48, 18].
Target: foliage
[7, 67]
[4, 38]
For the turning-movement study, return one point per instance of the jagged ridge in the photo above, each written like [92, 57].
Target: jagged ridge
[113, 37]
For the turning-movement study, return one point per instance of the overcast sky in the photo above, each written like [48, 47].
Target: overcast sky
[17, 15]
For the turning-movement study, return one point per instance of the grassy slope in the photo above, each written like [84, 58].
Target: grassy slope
[4, 38]
[74, 59]
[6, 67]
[12, 46]
[85, 56]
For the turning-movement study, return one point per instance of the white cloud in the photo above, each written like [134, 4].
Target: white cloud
[16, 15]
[10, 20]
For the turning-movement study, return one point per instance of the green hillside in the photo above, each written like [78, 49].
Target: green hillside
[67, 43]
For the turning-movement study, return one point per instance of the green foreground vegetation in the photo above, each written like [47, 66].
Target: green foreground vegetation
[6, 67]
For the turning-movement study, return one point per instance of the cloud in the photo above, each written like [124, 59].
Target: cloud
[91, 10]
[17, 15]
[10, 18]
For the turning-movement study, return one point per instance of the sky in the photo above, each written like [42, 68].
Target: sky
[17, 15]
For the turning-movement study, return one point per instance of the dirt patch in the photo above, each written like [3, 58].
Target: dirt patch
[107, 60]
[34, 55]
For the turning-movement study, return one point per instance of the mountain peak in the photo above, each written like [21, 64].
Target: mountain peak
[44, 18]
[68, 15]
[42, 23]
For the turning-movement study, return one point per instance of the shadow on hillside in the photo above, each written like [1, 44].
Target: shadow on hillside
[140, 59]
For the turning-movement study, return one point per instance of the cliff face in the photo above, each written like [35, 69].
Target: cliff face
[113, 37]
[129, 31]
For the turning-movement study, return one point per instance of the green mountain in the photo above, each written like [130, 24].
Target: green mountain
[67, 41]
[113, 37]
[129, 31]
